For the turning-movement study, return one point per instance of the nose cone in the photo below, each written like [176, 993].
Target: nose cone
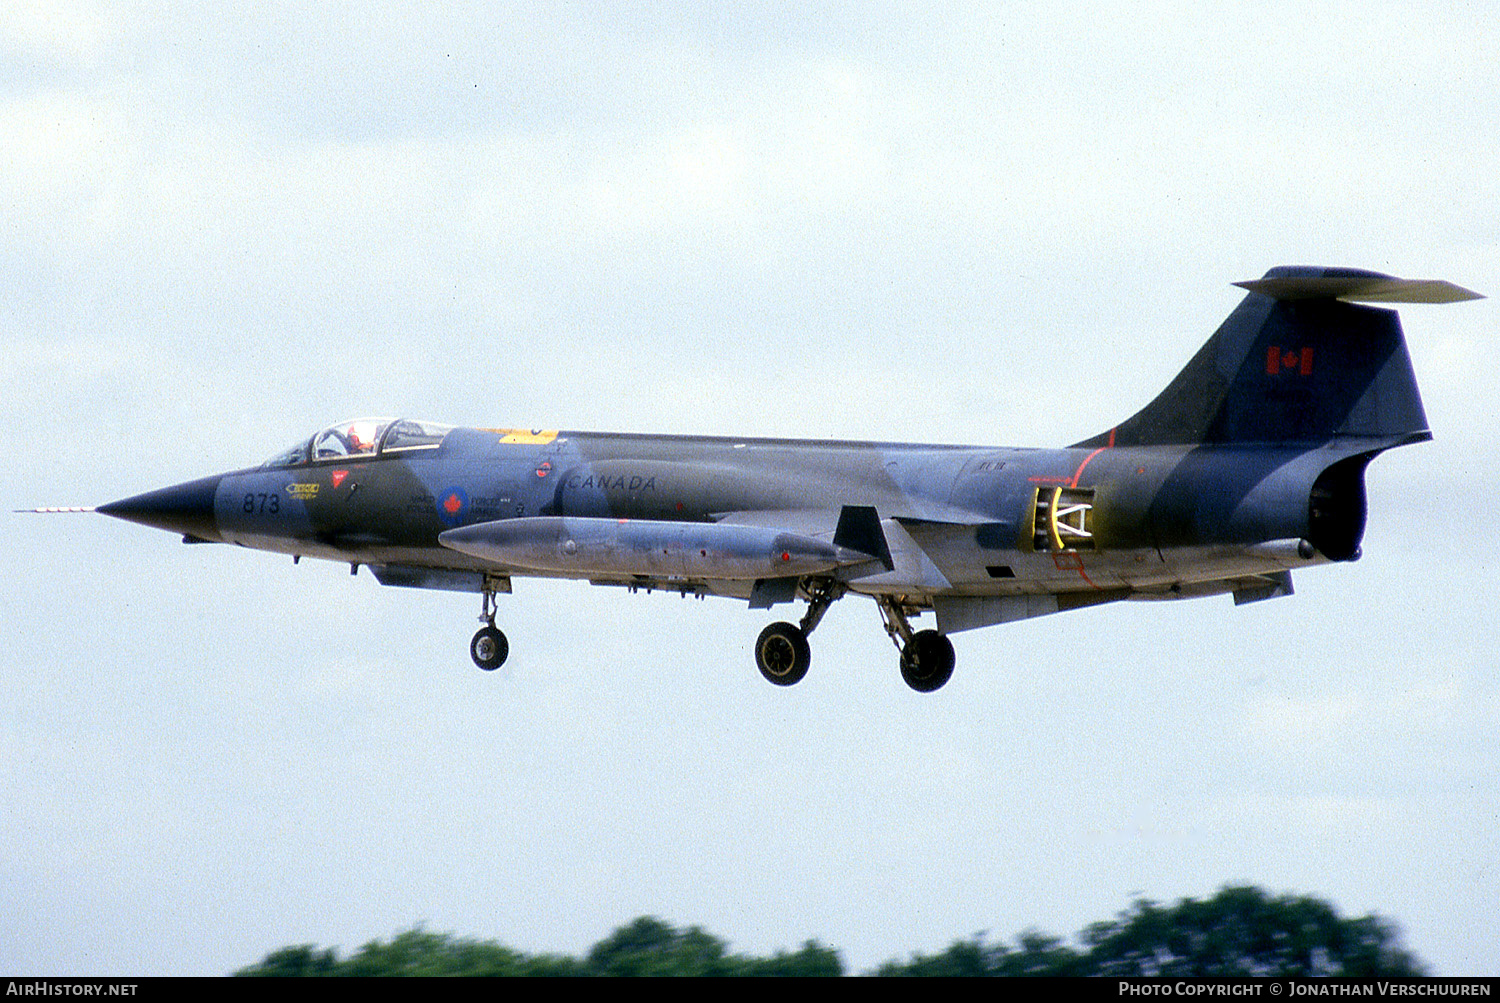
[184, 508]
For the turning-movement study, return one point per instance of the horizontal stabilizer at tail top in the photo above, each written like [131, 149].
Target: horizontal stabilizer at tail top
[1360, 287]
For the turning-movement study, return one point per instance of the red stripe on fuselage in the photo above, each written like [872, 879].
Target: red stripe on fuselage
[1077, 473]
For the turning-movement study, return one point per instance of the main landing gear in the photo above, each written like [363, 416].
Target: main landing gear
[489, 647]
[782, 653]
[926, 655]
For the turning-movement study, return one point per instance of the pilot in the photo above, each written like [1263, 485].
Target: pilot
[358, 443]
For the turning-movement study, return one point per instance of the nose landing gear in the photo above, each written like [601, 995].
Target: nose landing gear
[489, 646]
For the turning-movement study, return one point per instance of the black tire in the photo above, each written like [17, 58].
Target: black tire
[927, 661]
[489, 648]
[782, 653]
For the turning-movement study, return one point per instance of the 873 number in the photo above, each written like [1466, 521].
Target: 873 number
[260, 504]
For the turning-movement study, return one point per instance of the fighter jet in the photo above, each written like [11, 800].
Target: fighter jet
[1248, 466]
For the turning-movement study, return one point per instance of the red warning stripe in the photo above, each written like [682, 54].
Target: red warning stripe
[1073, 561]
[1077, 473]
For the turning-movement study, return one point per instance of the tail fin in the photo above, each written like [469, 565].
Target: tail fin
[1297, 362]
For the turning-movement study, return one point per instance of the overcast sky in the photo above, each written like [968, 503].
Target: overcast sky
[221, 230]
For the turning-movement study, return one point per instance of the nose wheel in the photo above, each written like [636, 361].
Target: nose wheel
[489, 648]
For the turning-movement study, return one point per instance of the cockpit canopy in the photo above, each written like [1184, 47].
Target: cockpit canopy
[362, 437]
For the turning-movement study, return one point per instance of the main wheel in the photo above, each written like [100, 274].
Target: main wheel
[489, 648]
[782, 653]
[927, 661]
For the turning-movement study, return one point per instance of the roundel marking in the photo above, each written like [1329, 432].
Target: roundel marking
[452, 503]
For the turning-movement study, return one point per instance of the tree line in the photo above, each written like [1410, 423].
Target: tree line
[1240, 931]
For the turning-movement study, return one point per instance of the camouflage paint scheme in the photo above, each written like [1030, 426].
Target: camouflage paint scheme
[1249, 465]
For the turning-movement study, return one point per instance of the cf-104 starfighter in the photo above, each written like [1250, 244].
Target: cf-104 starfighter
[1249, 465]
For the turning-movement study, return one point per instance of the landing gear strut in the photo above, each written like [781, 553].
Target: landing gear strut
[781, 652]
[926, 655]
[489, 647]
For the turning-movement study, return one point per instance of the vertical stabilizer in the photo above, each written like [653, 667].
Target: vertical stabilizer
[1297, 362]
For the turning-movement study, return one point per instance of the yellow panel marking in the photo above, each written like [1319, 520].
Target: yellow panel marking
[1052, 529]
[524, 436]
